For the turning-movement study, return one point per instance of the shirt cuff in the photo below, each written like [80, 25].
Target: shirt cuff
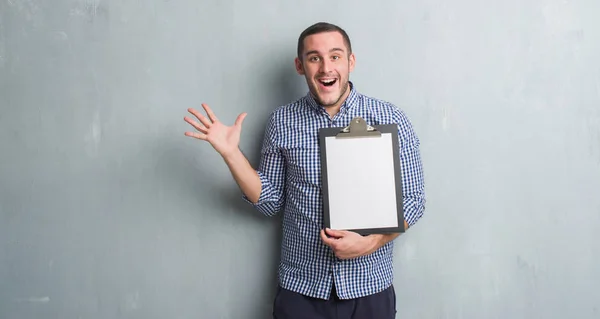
[263, 191]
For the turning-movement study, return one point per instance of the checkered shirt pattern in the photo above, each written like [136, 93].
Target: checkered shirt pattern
[290, 174]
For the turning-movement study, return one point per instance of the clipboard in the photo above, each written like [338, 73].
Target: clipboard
[361, 178]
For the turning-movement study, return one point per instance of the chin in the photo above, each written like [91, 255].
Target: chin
[326, 98]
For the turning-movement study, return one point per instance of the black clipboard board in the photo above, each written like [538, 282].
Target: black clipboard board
[361, 178]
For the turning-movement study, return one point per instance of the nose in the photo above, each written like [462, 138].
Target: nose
[325, 66]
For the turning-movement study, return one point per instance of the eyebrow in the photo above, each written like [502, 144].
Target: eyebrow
[317, 52]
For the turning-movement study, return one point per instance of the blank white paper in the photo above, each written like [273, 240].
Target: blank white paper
[361, 182]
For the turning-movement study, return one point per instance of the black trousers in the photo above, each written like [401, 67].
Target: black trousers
[291, 305]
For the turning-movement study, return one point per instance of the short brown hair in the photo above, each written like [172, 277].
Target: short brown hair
[320, 27]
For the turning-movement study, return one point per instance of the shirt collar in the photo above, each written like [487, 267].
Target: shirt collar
[348, 103]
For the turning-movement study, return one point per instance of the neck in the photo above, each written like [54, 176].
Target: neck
[332, 110]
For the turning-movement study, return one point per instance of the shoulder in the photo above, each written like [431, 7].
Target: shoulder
[288, 111]
[283, 119]
[382, 112]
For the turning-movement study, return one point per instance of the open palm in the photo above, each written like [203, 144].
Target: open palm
[224, 139]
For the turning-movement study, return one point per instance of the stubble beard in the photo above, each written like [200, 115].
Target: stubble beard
[315, 93]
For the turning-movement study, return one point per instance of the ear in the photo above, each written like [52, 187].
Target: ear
[299, 67]
[351, 62]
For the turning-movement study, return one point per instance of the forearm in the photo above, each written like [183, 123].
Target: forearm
[244, 174]
[384, 239]
[380, 240]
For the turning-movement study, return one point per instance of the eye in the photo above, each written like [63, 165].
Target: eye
[314, 58]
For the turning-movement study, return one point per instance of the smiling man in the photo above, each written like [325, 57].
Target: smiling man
[326, 60]
[323, 273]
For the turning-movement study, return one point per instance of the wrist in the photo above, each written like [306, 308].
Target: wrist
[377, 240]
[231, 156]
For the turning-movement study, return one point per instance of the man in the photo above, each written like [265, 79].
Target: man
[323, 273]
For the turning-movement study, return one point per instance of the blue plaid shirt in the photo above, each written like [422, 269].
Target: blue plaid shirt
[291, 180]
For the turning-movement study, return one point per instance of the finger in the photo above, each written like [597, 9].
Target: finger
[210, 113]
[328, 241]
[335, 233]
[200, 117]
[199, 136]
[196, 125]
[323, 236]
[240, 119]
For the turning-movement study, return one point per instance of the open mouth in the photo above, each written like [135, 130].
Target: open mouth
[327, 82]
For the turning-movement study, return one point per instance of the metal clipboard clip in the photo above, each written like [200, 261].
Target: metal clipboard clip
[358, 128]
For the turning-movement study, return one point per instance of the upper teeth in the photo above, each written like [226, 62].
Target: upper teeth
[328, 81]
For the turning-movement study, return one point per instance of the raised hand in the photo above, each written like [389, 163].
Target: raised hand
[224, 139]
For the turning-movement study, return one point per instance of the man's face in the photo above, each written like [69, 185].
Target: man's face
[326, 65]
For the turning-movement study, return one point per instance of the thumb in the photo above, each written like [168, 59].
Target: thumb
[240, 119]
[334, 233]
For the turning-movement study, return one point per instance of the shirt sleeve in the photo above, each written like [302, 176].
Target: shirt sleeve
[413, 185]
[271, 172]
